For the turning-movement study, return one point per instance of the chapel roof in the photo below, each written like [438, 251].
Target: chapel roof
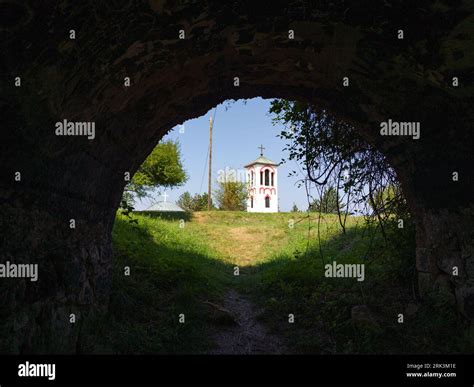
[261, 160]
[165, 207]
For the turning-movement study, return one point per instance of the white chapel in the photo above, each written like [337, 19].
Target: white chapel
[262, 183]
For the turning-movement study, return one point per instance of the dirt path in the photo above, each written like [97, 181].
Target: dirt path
[247, 335]
[234, 324]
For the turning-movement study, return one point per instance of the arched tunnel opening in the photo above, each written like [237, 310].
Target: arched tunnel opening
[264, 227]
[137, 78]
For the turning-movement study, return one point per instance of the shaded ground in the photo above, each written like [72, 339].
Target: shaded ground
[245, 335]
[249, 240]
[190, 270]
[244, 240]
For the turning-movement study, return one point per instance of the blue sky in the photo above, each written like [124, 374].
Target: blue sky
[237, 134]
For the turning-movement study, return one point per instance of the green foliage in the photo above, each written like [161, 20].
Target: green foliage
[295, 208]
[162, 168]
[388, 200]
[185, 201]
[198, 202]
[333, 153]
[126, 206]
[329, 202]
[231, 196]
[354, 176]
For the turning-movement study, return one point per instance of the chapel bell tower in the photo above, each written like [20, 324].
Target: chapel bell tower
[262, 183]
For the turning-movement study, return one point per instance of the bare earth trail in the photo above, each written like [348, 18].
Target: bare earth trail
[247, 336]
[243, 245]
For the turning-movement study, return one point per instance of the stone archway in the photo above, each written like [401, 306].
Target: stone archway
[230, 50]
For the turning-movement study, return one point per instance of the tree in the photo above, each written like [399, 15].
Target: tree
[382, 199]
[200, 202]
[328, 203]
[185, 201]
[162, 168]
[295, 208]
[231, 196]
[189, 203]
[334, 153]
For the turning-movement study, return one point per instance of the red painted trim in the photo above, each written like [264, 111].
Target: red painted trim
[267, 167]
[271, 189]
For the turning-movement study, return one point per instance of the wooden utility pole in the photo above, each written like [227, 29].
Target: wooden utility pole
[210, 166]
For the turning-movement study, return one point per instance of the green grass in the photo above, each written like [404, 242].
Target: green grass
[289, 283]
[174, 270]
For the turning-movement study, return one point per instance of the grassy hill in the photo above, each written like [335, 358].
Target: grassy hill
[188, 268]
